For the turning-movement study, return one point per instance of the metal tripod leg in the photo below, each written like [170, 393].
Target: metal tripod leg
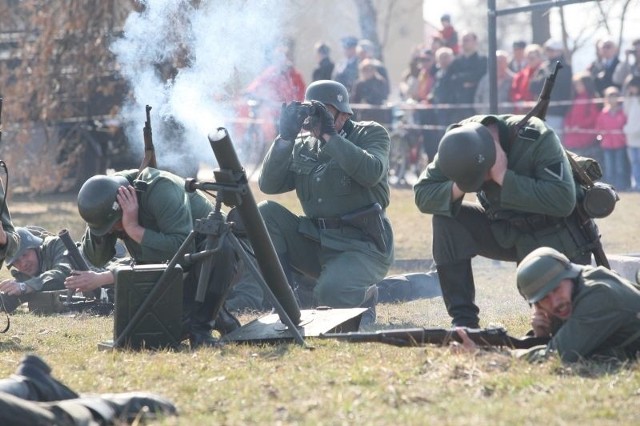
[284, 317]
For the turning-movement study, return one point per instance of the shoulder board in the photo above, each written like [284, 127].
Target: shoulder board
[529, 133]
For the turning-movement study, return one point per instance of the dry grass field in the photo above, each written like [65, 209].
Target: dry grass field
[340, 383]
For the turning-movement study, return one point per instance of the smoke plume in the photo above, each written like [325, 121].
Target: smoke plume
[187, 62]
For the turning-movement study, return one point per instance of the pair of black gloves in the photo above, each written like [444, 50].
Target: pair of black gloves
[294, 114]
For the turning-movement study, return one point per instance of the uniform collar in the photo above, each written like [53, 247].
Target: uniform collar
[503, 130]
[347, 128]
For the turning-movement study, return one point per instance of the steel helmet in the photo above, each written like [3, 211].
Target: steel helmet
[329, 92]
[541, 271]
[97, 202]
[466, 153]
[27, 241]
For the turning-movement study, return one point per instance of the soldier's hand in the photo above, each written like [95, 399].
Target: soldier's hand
[291, 119]
[3, 236]
[10, 287]
[84, 281]
[467, 344]
[327, 120]
[540, 323]
[128, 201]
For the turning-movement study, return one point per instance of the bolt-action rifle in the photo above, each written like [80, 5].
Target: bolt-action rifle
[75, 258]
[439, 336]
[78, 263]
[587, 225]
[149, 159]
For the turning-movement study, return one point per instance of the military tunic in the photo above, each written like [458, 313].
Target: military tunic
[166, 211]
[54, 266]
[605, 320]
[538, 181]
[532, 208]
[331, 179]
[11, 246]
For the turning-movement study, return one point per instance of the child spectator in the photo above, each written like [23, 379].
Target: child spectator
[449, 34]
[631, 106]
[580, 121]
[610, 123]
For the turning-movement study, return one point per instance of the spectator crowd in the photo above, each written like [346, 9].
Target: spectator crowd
[446, 79]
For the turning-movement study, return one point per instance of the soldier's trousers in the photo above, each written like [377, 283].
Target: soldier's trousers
[455, 241]
[342, 276]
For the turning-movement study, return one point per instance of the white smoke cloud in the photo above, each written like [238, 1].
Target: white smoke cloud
[226, 41]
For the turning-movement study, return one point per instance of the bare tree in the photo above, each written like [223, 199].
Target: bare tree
[61, 79]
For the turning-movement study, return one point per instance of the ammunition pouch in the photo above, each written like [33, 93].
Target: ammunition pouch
[369, 220]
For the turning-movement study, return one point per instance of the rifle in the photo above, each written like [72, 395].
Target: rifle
[540, 108]
[78, 263]
[484, 337]
[149, 159]
[587, 224]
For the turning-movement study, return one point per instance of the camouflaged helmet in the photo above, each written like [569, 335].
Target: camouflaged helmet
[27, 241]
[329, 92]
[97, 202]
[466, 153]
[541, 271]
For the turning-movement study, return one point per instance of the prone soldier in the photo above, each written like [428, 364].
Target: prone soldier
[39, 264]
[589, 312]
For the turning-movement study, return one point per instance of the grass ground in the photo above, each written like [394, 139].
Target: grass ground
[339, 383]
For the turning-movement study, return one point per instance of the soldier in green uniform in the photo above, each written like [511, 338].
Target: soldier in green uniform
[339, 172]
[9, 242]
[526, 198]
[152, 213]
[8, 238]
[32, 396]
[39, 264]
[589, 312]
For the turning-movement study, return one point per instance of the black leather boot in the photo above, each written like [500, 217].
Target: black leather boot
[459, 292]
[223, 276]
[226, 322]
[33, 382]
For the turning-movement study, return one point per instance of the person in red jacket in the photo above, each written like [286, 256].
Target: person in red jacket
[520, 90]
[580, 120]
[449, 34]
[610, 123]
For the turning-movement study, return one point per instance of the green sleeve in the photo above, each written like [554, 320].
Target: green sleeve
[433, 192]
[168, 206]
[367, 160]
[12, 243]
[275, 176]
[548, 189]
[589, 326]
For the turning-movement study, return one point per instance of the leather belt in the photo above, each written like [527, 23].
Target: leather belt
[535, 222]
[328, 222]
